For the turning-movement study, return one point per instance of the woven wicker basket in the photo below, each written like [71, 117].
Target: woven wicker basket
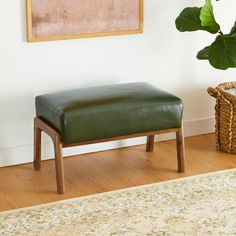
[225, 115]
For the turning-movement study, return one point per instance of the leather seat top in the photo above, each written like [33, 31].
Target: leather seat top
[103, 112]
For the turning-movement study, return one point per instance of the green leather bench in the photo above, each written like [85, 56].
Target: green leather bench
[99, 114]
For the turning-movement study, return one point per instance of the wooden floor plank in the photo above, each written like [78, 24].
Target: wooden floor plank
[21, 186]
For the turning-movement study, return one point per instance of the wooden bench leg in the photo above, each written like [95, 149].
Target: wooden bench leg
[180, 150]
[59, 165]
[39, 126]
[150, 143]
[37, 146]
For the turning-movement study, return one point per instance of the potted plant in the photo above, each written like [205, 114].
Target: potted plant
[221, 54]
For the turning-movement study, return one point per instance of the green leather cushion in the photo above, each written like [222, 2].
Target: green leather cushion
[103, 112]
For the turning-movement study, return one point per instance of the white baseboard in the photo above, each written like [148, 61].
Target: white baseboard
[24, 154]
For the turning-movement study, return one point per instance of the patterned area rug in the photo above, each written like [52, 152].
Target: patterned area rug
[199, 205]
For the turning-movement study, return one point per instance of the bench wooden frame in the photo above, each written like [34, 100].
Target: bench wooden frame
[41, 125]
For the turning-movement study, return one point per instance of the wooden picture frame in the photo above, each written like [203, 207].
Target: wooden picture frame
[37, 20]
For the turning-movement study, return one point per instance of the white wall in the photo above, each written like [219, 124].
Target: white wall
[161, 56]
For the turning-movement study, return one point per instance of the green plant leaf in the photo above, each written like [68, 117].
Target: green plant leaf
[222, 52]
[233, 30]
[189, 20]
[203, 54]
[207, 18]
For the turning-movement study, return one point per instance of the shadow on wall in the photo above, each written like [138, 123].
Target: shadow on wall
[23, 20]
[16, 120]
[197, 103]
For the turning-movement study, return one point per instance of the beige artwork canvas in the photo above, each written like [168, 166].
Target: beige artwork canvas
[65, 19]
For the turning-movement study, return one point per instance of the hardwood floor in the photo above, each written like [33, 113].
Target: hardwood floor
[21, 186]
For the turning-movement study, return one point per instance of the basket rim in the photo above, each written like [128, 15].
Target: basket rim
[221, 91]
[227, 85]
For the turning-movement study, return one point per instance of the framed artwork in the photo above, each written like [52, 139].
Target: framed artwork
[70, 19]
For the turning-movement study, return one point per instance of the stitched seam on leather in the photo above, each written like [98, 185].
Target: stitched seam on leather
[66, 119]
